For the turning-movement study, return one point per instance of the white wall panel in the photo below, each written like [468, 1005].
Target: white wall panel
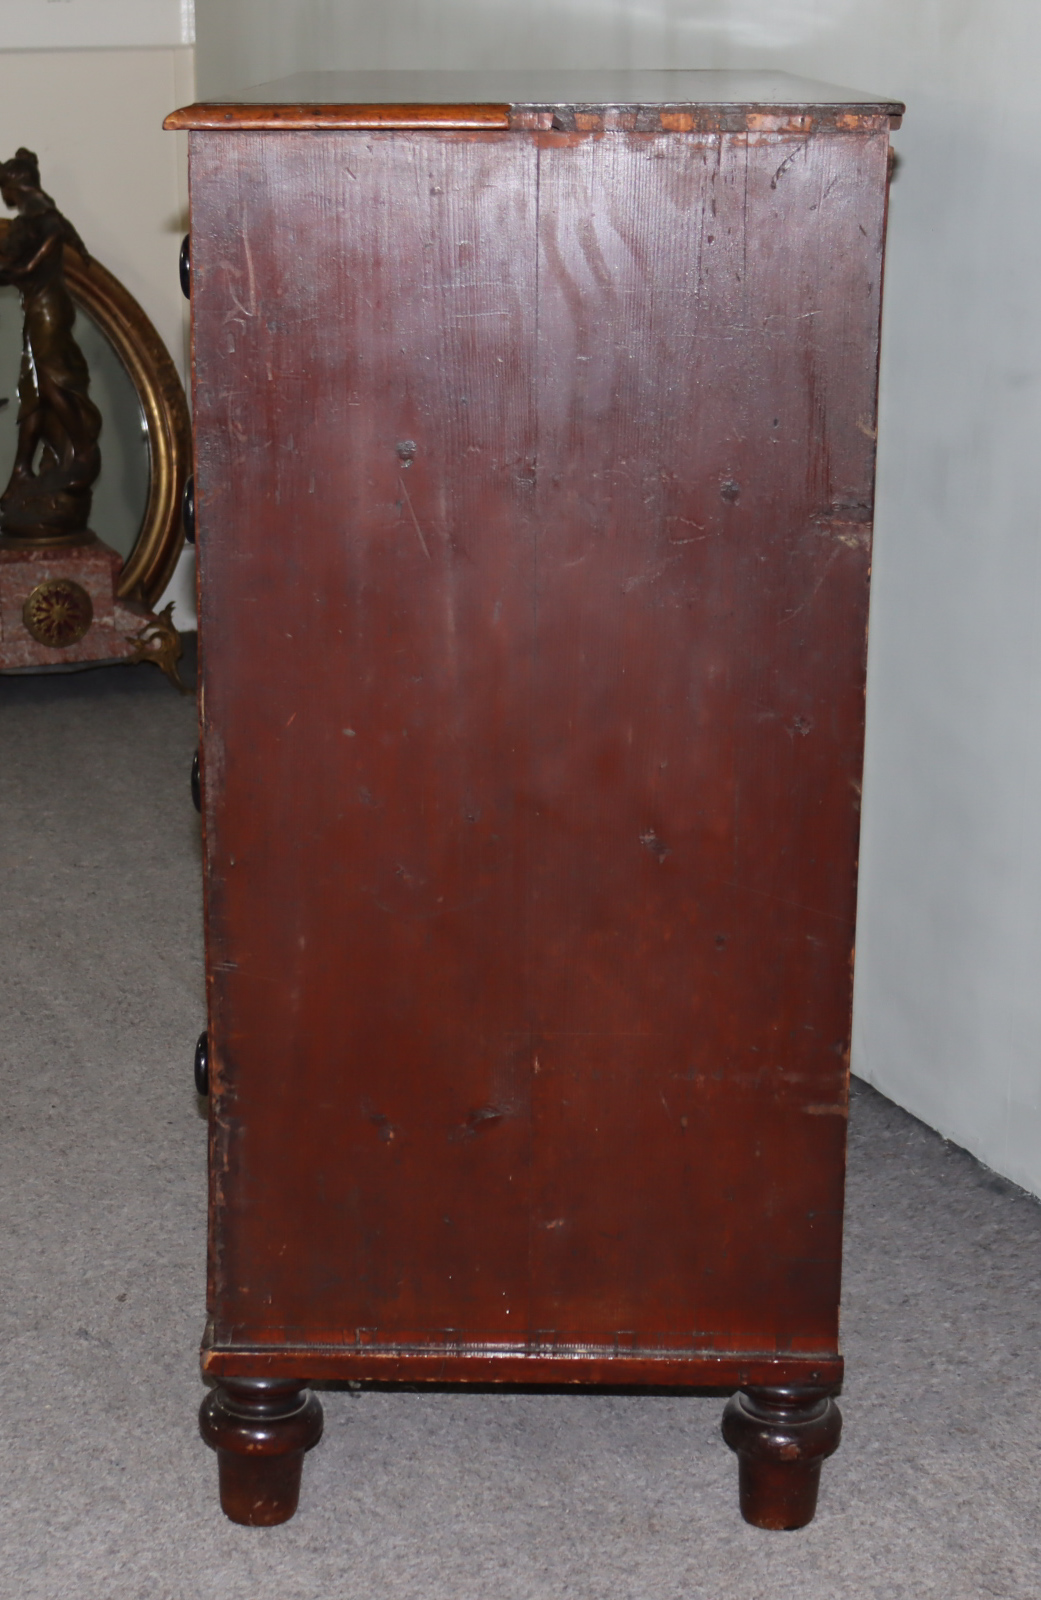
[95, 24]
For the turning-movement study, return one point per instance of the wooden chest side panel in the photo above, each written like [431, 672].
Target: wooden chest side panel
[364, 310]
[708, 318]
[535, 481]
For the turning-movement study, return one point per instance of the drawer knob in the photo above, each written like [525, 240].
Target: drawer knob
[202, 1065]
[188, 509]
[185, 266]
[196, 783]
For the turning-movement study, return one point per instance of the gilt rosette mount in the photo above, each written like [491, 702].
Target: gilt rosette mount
[58, 612]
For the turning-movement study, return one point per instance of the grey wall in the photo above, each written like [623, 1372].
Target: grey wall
[247, 41]
[948, 1013]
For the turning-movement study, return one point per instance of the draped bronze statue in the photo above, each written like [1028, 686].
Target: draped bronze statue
[57, 459]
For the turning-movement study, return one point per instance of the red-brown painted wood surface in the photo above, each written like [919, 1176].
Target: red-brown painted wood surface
[534, 478]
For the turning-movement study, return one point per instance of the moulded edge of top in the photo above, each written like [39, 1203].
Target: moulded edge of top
[673, 117]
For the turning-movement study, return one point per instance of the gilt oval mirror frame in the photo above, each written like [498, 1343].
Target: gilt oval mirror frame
[149, 565]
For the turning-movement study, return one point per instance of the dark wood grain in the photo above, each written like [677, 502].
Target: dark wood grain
[387, 524]
[705, 465]
[566, 879]
[534, 486]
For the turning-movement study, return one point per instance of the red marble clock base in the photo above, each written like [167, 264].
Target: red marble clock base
[117, 629]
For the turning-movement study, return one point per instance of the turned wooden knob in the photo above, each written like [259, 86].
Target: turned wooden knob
[188, 509]
[202, 1065]
[185, 266]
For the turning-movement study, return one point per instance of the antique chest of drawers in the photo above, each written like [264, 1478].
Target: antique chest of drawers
[534, 438]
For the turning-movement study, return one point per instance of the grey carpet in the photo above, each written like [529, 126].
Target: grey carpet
[107, 1490]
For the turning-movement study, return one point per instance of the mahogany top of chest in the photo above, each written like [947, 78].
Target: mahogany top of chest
[645, 101]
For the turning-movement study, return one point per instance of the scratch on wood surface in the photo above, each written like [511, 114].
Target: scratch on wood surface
[780, 900]
[233, 272]
[800, 150]
[651, 576]
[688, 522]
[250, 274]
[478, 1120]
[788, 615]
[415, 519]
[657, 847]
[854, 535]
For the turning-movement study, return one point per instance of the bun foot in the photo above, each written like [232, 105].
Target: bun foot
[260, 1428]
[781, 1436]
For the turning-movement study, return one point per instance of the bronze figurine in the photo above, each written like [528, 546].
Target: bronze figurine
[47, 501]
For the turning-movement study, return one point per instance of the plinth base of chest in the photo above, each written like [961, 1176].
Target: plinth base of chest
[260, 1419]
[594, 1366]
